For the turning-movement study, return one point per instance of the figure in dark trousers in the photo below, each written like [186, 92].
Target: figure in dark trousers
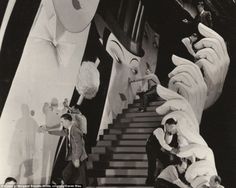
[151, 94]
[75, 171]
[159, 146]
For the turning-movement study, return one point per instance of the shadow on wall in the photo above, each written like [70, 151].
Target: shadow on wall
[22, 158]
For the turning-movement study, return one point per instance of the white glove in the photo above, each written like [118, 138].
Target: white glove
[214, 60]
[187, 80]
[176, 102]
[197, 151]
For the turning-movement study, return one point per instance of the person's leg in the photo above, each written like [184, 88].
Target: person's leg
[145, 102]
[149, 95]
[152, 94]
[152, 146]
[161, 183]
[67, 173]
[142, 102]
[80, 174]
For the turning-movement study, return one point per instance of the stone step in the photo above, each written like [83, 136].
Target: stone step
[137, 124]
[135, 136]
[141, 119]
[135, 109]
[116, 164]
[129, 130]
[155, 103]
[121, 143]
[125, 136]
[117, 172]
[140, 114]
[103, 149]
[117, 156]
[121, 181]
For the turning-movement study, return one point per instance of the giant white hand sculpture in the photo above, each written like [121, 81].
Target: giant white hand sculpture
[197, 151]
[200, 172]
[178, 108]
[187, 80]
[175, 102]
[214, 60]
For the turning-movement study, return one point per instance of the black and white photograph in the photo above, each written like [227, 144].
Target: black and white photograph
[118, 93]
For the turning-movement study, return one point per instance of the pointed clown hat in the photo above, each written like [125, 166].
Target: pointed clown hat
[75, 15]
[125, 19]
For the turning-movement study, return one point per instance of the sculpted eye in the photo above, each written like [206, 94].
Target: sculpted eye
[117, 52]
[118, 60]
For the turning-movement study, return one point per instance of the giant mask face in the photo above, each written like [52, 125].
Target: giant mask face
[119, 93]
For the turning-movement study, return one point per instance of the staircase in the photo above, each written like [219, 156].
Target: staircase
[119, 159]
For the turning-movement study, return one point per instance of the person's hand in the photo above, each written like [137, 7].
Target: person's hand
[76, 163]
[177, 107]
[214, 60]
[66, 103]
[130, 81]
[42, 129]
[187, 80]
[174, 151]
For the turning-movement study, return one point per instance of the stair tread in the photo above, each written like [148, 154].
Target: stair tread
[140, 114]
[130, 130]
[154, 103]
[121, 180]
[135, 109]
[125, 137]
[114, 172]
[118, 156]
[121, 142]
[135, 125]
[141, 119]
[117, 164]
[119, 149]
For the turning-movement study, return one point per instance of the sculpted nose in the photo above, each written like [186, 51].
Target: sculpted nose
[76, 4]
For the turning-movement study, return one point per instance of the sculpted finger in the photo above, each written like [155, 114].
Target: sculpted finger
[180, 61]
[180, 89]
[167, 94]
[176, 115]
[209, 54]
[183, 78]
[210, 43]
[209, 33]
[192, 70]
[172, 105]
[207, 70]
[188, 44]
